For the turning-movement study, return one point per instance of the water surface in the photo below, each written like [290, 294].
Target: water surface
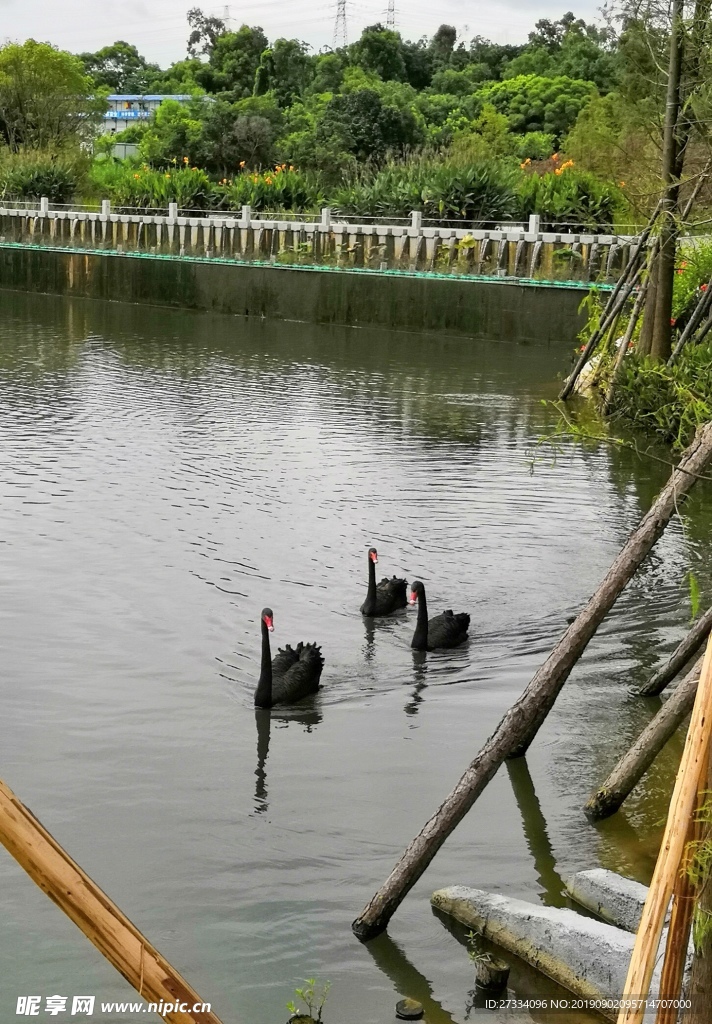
[164, 476]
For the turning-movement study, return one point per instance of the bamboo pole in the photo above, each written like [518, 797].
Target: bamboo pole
[622, 351]
[698, 314]
[521, 723]
[679, 658]
[682, 806]
[610, 316]
[635, 762]
[614, 304]
[683, 908]
[123, 945]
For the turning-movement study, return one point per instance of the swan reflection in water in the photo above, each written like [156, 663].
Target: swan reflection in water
[304, 716]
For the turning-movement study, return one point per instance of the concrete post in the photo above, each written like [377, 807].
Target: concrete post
[416, 220]
[326, 218]
[246, 217]
[173, 212]
[105, 207]
[534, 224]
[44, 206]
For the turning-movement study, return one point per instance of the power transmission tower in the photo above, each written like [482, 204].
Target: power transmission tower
[341, 36]
[227, 20]
[391, 15]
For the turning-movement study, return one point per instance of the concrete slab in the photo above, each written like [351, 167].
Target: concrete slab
[615, 899]
[588, 957]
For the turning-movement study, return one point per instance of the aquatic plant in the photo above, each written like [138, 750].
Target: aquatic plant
[313, 995]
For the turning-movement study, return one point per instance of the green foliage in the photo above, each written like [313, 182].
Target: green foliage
[380, 51]
[283, 188]
[313, 995]
[130, 185]
[694, 271]
[361, 124]
[120, 68]
[534, 103]
[46, 99]
[570, 198]
[667, 401]
[476, 192]
[36, 174]
[234, 59]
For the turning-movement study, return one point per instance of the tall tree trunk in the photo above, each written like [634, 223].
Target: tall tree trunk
[661, 347]
[645, 339]
[701, 983]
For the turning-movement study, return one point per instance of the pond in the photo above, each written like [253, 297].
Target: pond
[165, 475]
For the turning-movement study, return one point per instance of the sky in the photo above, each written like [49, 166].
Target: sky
[159, 28]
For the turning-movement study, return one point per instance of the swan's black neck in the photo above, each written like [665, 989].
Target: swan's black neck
[369, 605]
[420, 637]
[263, 693]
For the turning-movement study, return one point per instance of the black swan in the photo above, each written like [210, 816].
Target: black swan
[388, 596]
[446, 630]
[293, 674]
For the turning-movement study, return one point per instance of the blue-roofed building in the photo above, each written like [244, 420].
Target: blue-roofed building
[129, 108]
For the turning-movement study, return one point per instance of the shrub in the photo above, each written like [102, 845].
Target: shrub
[668, 401]
[128, 184]
[449, 191]
[569, 198]
[283, 188]
[33, 175]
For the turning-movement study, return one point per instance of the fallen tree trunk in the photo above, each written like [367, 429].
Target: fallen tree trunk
[522, 722]
[123, 945]
[634, 764]
[680, 657]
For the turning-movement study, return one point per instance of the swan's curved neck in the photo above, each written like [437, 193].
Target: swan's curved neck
[263, 693]
[420, 639]
[371, 593]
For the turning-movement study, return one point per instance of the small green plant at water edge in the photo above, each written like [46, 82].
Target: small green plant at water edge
[699, 871]
[313, 995]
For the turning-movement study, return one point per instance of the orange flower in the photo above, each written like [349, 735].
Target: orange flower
[137, 176]
[186, 160]
[555, 157]
[622, 184]
[559, 170]
[703, 287]
[291, 168]
[242, 163]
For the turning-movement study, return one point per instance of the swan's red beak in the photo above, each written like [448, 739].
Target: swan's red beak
[269, 623]
[374, 557]
[413, 597]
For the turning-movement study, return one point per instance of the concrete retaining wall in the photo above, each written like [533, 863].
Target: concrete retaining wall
[509, 251]
[499, 311]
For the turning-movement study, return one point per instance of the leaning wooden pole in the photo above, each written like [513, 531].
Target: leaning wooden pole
[683, 907]
[689, 647]
[682, 807]
[522, 722]
[635, 762]
[123, 945]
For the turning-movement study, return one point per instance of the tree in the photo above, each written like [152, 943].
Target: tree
[230, 137]
[381, 51]
[533, 103]
[175, 134]
[284, 69]
[46, 99]
[442, 44]
[120, 68]
[361, 124]
[235, 58]
[205, 32]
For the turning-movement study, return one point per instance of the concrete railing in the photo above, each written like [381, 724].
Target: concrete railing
[522, 251]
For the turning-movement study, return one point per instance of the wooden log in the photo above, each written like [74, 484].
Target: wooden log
[680, 657]
[522, 722]
[123, 945]
[682, 807]
[491, 972]
[683, 907]
[634, 764]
